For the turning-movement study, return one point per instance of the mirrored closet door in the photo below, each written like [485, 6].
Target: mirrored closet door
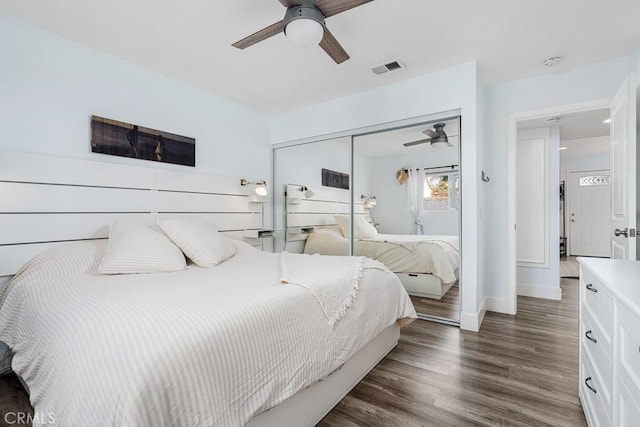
[412, 192]
[401, 191]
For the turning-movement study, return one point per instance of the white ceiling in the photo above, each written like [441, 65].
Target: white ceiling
[191, 41]
[581, 133]
[586, 124]
[389, 143]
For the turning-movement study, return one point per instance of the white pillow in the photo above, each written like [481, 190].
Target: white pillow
[362, 229]
[199, 240]
[135, 247]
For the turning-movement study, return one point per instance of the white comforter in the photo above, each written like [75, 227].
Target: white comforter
[437, 255]
[197, 347]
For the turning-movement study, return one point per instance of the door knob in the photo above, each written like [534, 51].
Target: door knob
[619, 232]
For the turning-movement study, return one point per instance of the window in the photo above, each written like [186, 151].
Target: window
[441, 191]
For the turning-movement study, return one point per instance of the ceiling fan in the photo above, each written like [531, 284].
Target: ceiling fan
[438, 137]
[304, 24]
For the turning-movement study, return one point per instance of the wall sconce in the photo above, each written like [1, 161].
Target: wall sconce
[368, 201]
[261, 186]
[307, 192]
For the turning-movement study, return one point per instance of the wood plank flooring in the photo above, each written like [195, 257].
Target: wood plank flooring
[569, 267]
[448, 306]
[518, 370]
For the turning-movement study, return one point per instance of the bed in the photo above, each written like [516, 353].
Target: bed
[427, 265]
[160, 348]
[201, 346]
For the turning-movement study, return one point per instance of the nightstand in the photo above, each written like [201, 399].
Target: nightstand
[262, 239]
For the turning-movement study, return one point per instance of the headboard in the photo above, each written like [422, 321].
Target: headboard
[303, 214]
[47, 200]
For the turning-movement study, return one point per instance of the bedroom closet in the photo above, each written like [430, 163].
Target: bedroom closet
[393, 195]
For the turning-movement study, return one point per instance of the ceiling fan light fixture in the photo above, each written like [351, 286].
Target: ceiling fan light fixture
[304, 25]
[440, 144]
[440, 140]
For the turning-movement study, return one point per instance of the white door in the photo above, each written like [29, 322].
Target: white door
[623, 173]
[589, 197]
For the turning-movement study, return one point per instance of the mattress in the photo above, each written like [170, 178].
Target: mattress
[432, 254]
[198, 347]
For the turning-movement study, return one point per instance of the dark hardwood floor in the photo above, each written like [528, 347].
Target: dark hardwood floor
[518, 370]
[448, 306]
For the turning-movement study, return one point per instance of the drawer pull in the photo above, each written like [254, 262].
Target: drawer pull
[589, 337]
[591, 288]
[586, 382]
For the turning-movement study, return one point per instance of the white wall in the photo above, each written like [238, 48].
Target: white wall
[482, 255]
[583, 163]
[452, 89]
[51, 86]
[580, 84]
[391, 211]
[546, 274]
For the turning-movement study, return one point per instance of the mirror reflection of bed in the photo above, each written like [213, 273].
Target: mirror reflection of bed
[427, 265]
[406, 208]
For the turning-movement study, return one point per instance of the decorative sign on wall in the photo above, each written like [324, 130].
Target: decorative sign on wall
[335, 179]
[127, 140]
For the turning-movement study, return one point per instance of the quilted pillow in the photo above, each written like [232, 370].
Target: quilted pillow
[199, 240]
[135, 247]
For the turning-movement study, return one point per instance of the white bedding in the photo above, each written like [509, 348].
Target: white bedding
[401, 253]
[195, 347]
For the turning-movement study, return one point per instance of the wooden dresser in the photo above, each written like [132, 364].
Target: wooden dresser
[610, 341]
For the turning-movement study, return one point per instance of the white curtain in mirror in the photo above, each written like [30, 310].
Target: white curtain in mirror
[415, 189]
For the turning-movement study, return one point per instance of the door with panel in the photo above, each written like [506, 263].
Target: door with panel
[623, 172]
[589, 198]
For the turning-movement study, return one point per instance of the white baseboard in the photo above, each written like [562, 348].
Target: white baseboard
[498, 305]
[472, 322]
[539, 291]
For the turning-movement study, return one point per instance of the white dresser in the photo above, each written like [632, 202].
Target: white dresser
[610, 341]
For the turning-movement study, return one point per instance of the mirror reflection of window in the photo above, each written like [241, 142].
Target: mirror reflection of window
[441, 191]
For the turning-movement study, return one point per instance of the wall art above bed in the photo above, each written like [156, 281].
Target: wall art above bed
[123, 139]
[335, 179]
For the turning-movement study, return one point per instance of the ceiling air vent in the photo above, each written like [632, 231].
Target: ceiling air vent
[387, 68]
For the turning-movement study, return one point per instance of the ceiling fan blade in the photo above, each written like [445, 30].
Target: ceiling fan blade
[258, 36]
[334, 7]
[421, 141]
[290, 3]
[330, 45]
[430, 132]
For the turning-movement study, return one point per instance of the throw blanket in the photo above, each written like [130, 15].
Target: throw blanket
[332, 280]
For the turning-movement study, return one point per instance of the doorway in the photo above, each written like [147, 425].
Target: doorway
[531, 120]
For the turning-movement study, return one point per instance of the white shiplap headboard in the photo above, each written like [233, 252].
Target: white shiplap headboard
[47, 200]
[317, 211]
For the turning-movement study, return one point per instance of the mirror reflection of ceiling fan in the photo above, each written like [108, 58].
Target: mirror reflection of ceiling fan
[437, 137]
[304, 24]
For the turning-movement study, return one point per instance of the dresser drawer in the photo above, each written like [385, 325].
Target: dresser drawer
[599, 300]
[596, 410]
[599, 352]
[594, 331]
[629, 345]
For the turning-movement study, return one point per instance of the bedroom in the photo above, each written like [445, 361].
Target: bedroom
[60, 82]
